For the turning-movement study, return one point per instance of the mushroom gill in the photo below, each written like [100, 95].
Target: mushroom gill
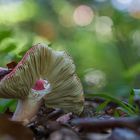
[43, 74]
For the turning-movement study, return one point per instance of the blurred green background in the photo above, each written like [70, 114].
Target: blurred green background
[102, 36]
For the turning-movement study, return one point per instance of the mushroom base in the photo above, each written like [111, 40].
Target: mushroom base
[27, 109]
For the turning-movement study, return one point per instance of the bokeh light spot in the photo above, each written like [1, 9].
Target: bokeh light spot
[134, 9]
[136, 38]
[121, 4]
[95, 78]
[124, 1]
[100, 0]
[65, 16]
[83, 15]
[17, 11]
[103, 25]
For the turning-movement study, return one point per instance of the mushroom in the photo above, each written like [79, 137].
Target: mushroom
[43, 74]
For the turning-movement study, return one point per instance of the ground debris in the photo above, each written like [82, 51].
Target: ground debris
[11, 130]
[54, 124]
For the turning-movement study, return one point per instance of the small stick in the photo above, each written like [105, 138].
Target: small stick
[96, 125]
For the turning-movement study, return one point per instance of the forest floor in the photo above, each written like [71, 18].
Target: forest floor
[53, 124]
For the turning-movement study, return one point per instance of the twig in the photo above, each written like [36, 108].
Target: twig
[96, 125]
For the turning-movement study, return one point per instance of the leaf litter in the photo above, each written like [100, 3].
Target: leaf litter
[54, 124]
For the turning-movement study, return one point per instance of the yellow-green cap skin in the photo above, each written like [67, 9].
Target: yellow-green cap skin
[54, 66]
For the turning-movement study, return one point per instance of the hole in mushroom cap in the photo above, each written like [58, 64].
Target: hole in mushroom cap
[41, 86]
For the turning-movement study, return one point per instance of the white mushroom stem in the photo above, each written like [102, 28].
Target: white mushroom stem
[28, 108]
